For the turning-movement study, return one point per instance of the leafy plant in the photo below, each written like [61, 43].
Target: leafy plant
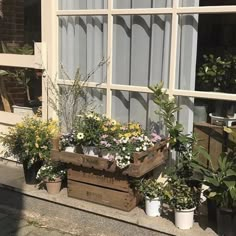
[88, 128]
[150, 188]
[30, 140]
[218, 73]
[182, 143]
[222, 180]
[180, 196]
[51, 171]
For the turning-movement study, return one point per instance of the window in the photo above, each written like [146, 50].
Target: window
[144, 42]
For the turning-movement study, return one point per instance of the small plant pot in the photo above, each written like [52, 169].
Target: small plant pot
[70, 149]
[184, 218]
[53, 187]
[90, 150]
[153, 207]
[31, 172]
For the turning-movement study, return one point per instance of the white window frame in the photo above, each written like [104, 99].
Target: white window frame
[110, 12]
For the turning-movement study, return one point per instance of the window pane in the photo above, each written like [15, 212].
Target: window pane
[141, 3]
[82, 4]
[20, 87]
[134, 106]
[83, 45]
[20, 24]
[217, 3]
[207, 53]
[141, 49]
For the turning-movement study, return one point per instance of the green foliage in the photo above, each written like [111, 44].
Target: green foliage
[182, 143]
[89, 128]
[180, 196]
[150, 188]
[218, 73]
[50, 171]
[30, 140]
[221, 181]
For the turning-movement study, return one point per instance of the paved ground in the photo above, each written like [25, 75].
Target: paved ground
[11, 226]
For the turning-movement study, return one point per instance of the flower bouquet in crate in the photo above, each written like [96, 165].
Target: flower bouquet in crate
[124, 148]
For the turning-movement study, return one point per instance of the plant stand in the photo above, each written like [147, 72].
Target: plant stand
[99, 180]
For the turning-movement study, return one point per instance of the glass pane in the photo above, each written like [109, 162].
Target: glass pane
[141, 49]
[217, 3]
[187, 3]
[83, 46]
[82, 4]
[207, 53]
[21, 90]
[20, 26]
[138, 107]
[121, 4]
[71, 105]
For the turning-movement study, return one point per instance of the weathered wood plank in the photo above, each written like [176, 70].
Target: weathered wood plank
[121, 200]
[101, 178]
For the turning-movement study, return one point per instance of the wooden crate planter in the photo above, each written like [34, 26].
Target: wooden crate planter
[143, 162]
[99, 180]
[106, 188]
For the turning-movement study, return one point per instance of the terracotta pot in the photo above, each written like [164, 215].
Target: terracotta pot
[53, 187]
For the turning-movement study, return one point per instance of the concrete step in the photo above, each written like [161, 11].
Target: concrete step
[72, 215]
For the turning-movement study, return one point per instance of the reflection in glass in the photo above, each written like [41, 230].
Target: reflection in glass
[141, 49]
[82, 4]
[83, 45]
[121, 4]
[20, 26]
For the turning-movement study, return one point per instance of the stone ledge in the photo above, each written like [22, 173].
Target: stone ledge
[12, 179]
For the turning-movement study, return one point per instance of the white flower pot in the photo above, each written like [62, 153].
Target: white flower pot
[90, 150]
[184, 218]
[70, 149]
[153, 207]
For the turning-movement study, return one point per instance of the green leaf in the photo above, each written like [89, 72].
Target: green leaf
[3, 73]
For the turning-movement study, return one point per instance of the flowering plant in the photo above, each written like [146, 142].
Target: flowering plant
[30, 140]
[88, 128]
[126, 146]
[122, 141]
[68, 140]
[51, 171]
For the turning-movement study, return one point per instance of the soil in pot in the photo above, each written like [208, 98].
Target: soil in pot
[226, 222]
[31, 172]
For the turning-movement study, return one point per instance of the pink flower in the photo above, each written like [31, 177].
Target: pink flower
[155, 137]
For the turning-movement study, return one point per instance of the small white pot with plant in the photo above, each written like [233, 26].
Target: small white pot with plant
[68, 142]
[153, 192]
[184, 200]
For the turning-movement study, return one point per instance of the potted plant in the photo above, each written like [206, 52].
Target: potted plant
[30, 141]
[88, 129]
[52, 174]
[68, 142]
[183, 199]
[218, 74]
[153, 192]
[222, 189]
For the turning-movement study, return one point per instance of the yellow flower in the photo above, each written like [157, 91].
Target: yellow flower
[36, 145]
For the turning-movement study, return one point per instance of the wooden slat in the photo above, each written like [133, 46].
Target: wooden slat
[101, 178]
[144, 162]
[113, 198]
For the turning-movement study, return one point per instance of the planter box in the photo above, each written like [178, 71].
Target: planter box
[99, 180]
[143, 162]
[106, 188]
